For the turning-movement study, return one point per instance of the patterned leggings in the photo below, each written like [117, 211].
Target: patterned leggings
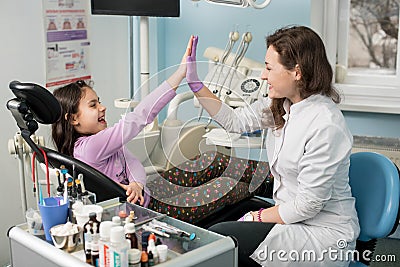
[199, 187]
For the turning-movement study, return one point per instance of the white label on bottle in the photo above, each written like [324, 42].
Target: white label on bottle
[87, 237]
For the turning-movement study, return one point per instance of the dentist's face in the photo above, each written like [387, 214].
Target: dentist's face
[90, 118]
[282, 82]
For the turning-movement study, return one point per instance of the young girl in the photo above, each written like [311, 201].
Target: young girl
[82, 132]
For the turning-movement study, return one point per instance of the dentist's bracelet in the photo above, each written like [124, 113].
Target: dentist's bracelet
[259, 214]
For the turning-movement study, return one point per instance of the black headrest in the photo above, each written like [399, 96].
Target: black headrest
[42, 103]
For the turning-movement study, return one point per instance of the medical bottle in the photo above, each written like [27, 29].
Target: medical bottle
[152, 248]
[151, 258]
[104, 243]
[152, 236]
[116, 220]
[95, 254]
[88, 252]
[144, 259]
[145, 240]
[91, 228]
[130, 234]
[118, 247]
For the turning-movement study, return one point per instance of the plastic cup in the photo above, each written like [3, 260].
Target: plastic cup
[53, 213]
[162, 251]
[82, 213]
[34, 222]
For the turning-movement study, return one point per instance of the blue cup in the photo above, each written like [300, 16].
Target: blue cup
[53, 212]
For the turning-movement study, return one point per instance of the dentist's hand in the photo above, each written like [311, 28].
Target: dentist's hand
[191, 75]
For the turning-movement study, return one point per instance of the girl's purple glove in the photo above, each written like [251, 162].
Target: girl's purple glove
[191, 74]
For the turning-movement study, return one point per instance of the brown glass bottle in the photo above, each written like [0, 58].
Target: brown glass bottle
[91, 229]
[95, 254]
[130, 234]
[88, 252]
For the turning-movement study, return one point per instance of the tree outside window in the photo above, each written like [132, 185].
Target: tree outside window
[373, 36]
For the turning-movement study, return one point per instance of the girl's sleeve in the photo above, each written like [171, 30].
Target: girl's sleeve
[136, 171]
[100, 146]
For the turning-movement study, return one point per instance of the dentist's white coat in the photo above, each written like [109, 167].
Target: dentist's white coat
[309, 159]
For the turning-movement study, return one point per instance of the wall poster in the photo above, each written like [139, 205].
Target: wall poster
[67, 41]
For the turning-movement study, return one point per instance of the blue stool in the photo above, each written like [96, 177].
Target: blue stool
[374, 181]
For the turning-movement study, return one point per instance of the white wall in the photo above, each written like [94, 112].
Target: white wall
[22, 55]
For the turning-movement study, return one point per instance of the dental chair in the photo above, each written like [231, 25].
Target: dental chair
[34, 104]
[161, 147]
[374, 181]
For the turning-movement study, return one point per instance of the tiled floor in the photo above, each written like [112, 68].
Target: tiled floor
[388, 250]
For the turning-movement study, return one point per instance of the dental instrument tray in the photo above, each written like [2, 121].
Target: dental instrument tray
[194, 247]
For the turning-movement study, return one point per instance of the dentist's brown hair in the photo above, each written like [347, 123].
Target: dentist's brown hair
[301, 47]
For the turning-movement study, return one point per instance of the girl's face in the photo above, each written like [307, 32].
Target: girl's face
[282, 82]
[90, 118]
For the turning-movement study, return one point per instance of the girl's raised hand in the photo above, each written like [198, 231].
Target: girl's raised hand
[183, 66]
[191, 74]
[175, 79]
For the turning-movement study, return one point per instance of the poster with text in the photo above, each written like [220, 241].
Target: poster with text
[67, 41]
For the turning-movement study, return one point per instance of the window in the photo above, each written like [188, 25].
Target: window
[361, 37]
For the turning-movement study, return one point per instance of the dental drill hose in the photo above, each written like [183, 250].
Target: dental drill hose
[233, 37]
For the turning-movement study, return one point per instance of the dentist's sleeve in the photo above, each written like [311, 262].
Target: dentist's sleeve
[242, 119]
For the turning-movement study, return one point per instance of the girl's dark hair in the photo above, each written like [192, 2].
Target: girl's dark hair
[299, 45]
[62, 131]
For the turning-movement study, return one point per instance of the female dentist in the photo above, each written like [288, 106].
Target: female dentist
[313, 221]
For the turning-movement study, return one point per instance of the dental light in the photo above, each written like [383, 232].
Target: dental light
[242, 3]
